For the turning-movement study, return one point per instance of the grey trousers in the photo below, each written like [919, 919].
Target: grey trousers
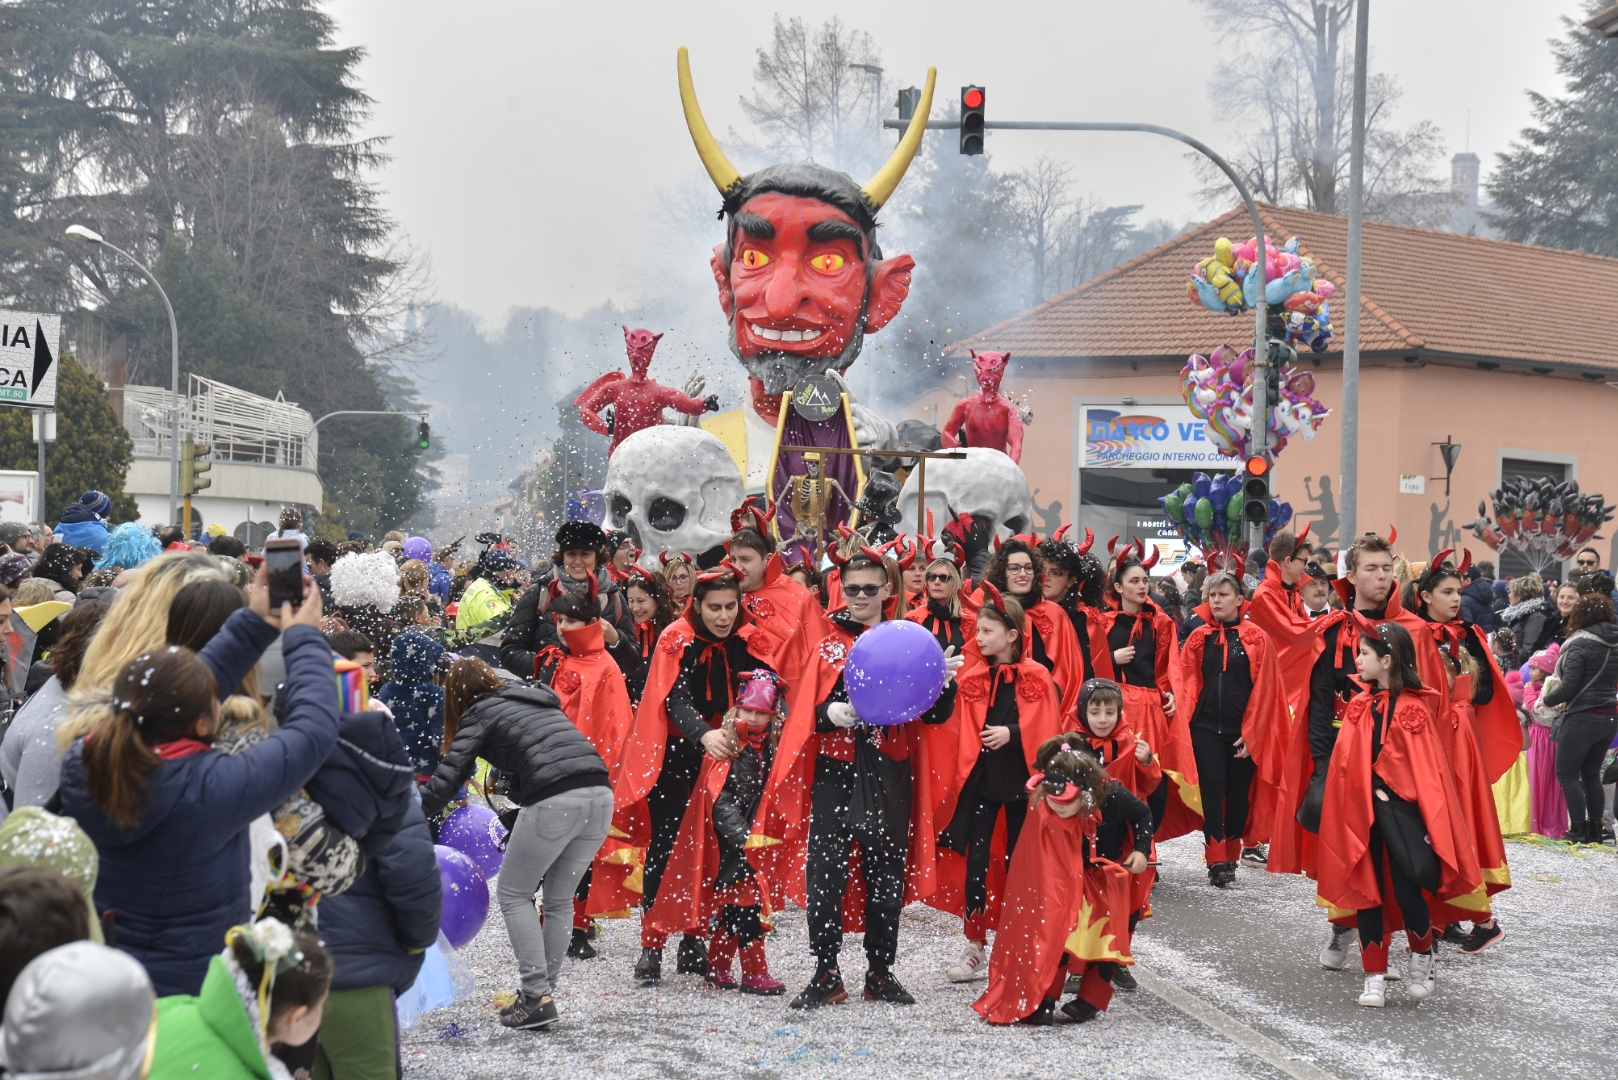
[551, 847]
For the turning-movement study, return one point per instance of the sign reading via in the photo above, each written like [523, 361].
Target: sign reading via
[29, 345]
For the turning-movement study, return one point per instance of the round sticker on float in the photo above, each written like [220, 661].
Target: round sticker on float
[817, 398]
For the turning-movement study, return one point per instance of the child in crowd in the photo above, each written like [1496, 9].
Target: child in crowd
[414, 696]
[40, 908]
[355, 646]
[81, 1011]
[1548, 807]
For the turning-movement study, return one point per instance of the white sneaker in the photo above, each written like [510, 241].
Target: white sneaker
[972, 966]
[1335, 954]
[1423, 975]
[1375, 994]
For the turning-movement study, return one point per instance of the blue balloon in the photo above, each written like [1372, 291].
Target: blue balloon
[475, 831]
[894, 672]
[466, 896]
[1219, 497]
[1200, 483]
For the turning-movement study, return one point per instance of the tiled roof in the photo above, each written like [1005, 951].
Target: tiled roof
[1424, 292]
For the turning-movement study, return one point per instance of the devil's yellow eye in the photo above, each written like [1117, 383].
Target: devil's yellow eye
[752, 258]
[829, 263]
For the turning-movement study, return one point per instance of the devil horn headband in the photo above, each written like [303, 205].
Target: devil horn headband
[1466, 562]
[995, 597]
[1303, 533]
[876, 191]
[1061, 532]
[1089, 538]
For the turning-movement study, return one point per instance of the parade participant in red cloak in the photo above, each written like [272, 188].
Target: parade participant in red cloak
[1076, 583]
[1017, 570]
[789, 614]
[1065, 901]
[1006, 707]
[590, 688]
[1392, 834]
[1481, 735]
[1140, 648]
[646, 595]
[810, 823]
[637, 402]
[1277, 609]
[942, 612]
[1229, 683]
[801, 281]
[987, 418]
[689, 688]
[708, 881]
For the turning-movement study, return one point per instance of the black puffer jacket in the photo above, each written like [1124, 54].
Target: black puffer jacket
[1533, 622]
[1589, 672]
[522, 731]
[1477, 605]
[532, 627]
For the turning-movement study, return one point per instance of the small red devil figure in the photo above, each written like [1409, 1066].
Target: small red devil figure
[989, 418]
[637, 402]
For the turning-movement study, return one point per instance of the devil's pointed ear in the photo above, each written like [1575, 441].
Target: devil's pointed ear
[721, 277]
[889, 287]
[973, 353]
[656, 338]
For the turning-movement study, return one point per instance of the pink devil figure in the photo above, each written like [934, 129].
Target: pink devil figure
[989, 418]
[637, 401]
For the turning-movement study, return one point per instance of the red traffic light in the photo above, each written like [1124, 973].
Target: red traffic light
[1257, 466]
[973, 98]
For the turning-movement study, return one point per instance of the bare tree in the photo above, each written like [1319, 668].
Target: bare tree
[808, 100]
[1040, 206]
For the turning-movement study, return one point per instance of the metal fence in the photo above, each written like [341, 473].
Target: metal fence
[235, 425]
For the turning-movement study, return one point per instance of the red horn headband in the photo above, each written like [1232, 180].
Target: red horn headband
[1112, 546]
[995, 597]
[997, 543]
[1393, 535]
[1466, 562]
[875, 554]
[1303, 533]
[1061, 532]
[1438, 560]
[1089, 538]
[725, 569]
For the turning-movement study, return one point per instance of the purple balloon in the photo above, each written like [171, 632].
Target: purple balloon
[894, 672]
[418, 548]
[466, 896]
[475, 831]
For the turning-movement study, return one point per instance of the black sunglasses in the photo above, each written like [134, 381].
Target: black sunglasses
[862, 590]
[939, 578]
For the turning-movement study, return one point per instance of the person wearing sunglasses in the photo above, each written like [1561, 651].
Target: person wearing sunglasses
[826, 754]
[1587, 561]
[1018, 571]
[942, 614]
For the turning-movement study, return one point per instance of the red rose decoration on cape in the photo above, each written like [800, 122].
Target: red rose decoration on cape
[833, 651]
[673, 644]
[974, 690]
[1029, 689]
[1413, 721]
[761, 606]
[761, 646]
[567, 681]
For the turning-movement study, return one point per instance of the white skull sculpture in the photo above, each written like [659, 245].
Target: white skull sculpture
[987, 482]
[672, 488]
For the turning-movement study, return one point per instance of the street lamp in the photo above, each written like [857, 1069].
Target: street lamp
[80, 235]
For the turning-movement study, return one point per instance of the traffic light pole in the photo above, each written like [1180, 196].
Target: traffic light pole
[1261, 352]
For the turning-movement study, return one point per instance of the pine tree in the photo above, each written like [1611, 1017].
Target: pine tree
[1558, 186]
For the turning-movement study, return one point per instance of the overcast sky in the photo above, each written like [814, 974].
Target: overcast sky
[527, 138]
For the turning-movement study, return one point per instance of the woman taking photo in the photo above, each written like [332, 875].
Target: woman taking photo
[1588, 693]
[1231, 684]
[1018, 570]
[552, 772]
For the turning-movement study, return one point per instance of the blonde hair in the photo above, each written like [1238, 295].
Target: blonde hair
[136, 623]
[412, 575]
[1526, 588]
[32, 591]
[955, 597]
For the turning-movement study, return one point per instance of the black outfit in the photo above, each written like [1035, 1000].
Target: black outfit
[1216, 725]
[1081, 628]
[945, 627]
[530, 626]
[733, 812]
[884, 837]
[1141, 671]
[1406, 892]
[1123, 818]
[996, 783]
[1330, 687]
[1589, 689]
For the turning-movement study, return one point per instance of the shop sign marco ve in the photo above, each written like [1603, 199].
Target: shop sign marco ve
[1149, 437]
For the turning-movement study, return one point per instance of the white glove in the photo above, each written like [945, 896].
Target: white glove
[952, 663]
[842, 714]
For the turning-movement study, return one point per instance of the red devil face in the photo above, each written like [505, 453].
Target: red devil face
[640, 344]
[990, 368]
[799, 289]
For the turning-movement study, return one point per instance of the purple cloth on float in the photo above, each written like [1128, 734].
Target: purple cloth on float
[831, 432]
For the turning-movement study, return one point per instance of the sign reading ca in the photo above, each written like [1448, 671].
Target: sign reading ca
[29, 346]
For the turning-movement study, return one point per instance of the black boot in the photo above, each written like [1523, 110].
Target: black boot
[1577, 829]
[649, 968]
[693, 956]
[1081, 1010]
[1043, 1016]
[579, 948]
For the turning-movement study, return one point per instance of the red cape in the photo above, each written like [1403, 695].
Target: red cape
[1278, 611]
[1038, 718]
[1413, 766]
[1266, 724]
[1055, 632]
[685, 895]
[781, 824]
[591, 689]
[789, 614]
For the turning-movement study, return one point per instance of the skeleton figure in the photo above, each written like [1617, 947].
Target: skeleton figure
[809, 497]
[672, 488]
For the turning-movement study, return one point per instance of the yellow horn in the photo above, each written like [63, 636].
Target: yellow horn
[879, 189]
[720, 170]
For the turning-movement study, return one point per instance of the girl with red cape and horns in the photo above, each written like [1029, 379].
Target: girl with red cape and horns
[1075, 582]
[1394, 844]
[1018, 571]
[1482, 736]
[1139, 649]
[1066, 902]
[1230, 686]
[808, 826]
[690, 686]
[590, 689]
[1006, 707]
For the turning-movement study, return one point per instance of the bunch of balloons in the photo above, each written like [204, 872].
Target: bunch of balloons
[1227, 282]
[1219, 391]
[470, 849]
[1544, 520]
[1208, 513]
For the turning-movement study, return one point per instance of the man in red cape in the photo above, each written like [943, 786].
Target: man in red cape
[1277, 609]
[780, 607]
[851, 870]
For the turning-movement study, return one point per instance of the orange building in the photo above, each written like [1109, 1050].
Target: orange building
[1501, 347]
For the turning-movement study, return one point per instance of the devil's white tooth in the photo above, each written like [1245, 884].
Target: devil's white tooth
[791, 335]
[810, 335]
[766, 333]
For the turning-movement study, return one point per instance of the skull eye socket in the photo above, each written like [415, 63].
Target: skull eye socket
[665, 515]
[619, 507]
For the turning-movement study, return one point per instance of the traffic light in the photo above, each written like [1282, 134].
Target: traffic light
[424, 435]
[909, 99]
[192, 466]
[1256, 491]
[972, 119]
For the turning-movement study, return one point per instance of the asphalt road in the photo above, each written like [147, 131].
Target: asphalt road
[1240, 995]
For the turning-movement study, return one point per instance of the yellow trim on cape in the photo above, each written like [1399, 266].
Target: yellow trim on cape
[1190, 794]
[1091, 941]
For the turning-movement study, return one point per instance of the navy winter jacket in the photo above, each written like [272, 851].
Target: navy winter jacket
[1477, 605]
[417, 705]
[179, 879]
[368, 784]
[377, 929]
